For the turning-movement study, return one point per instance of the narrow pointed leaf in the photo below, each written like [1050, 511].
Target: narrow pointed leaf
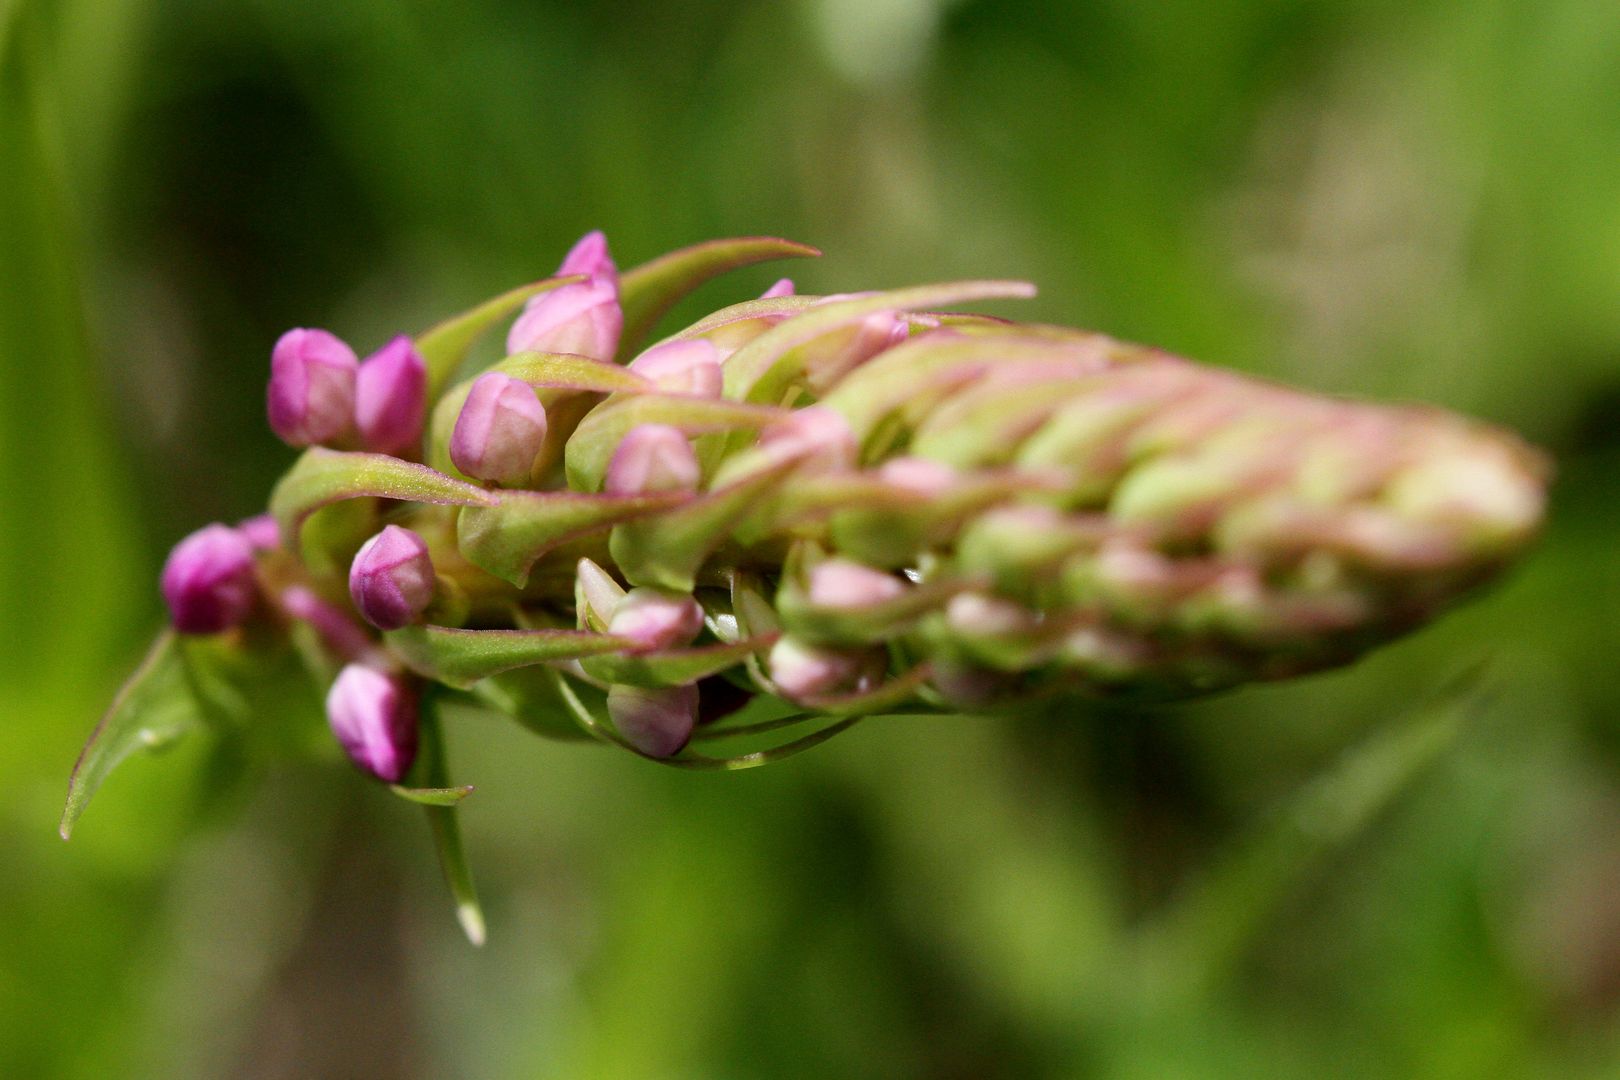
[322, 477]
[507, 539]
[567, 371]
[444, 346]
[432, 796]
[652, 288]
[672, 667]
[152, 709]
[460, 658]
[446, 830]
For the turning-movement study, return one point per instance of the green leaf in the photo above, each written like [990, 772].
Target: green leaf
[322, 477]
[529, 696]
[460, 658]
[507, 539]
[152, 709]
[592, 445]
[651, 289]
[441, 817]
[444, 346]
[432, 796]
[569, 371]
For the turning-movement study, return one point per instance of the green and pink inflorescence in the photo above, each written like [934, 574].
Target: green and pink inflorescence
[794, 513]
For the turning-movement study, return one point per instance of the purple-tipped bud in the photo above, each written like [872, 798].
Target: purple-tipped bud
[373, 715]
[261, 531]
[656, 721]
[501, 430]
[583, 318]
[391, 579]
[783, 287]
[590, 256]
[923, 476]
[817, 434]
[208, 580]
[802, 670]
[841, 583]
[652, 459]
[656, 619]
[390, 397]
[310, 399]
[690, 366]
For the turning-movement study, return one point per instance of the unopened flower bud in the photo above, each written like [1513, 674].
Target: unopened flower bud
[652, 459]
[261, 531]
[688, 366]
[590, 256]
[841, 583]
[373, 713]
[500, 431]
[922, 476]
[391, 579]
[834, 355]
[390, 397]
[208, 580]
[582, 318]
[818, 434]
[656, 619]
[657, 721]
[802, 670]
[310, 399]
[783, 287]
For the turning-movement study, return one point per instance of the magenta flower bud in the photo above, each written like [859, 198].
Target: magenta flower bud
[841, 583]
[390, 397]
[391, 579]
[261, 531]
[818, 434]
[310, 399]
[783, 287]
[590, 256]
[652, 459]
[373, 715]
[656, 721]
[690, 366]
[208, 580]
[500, 431]
[656, 619]
[802, 670]
[583, 318]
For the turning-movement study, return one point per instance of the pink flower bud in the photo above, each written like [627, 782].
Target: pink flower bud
[841, 583]
[802, 670]
[373, 715]
[261, 531]
[390, 397]
[652, 459]
[818, 434]
[391, 579]
[783, 287]
[690, 366]
[590, 256]
[500, 431]
[310, 399]
[583, 318]
[656, 619]
[208, 580]
[922, 476]
[656, 721]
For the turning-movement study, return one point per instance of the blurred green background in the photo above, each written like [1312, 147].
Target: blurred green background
[1407, 869]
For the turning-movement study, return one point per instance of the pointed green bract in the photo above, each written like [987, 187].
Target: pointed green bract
[322, 477]
[443, 347]
[432, 796]
[434, 769]
[566, 371]
[508, 538]
[652, 288]
[460, 658]
[599, 434]
[672, 667]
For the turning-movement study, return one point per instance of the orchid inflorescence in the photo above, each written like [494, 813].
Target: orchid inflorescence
[796, 512]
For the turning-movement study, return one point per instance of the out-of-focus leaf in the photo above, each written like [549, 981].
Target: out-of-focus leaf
[508, 538]
[152, 709]
[322, 477]
[444, 346]
[460, 658]
[652, 288]
[432, 796]
[435, 772]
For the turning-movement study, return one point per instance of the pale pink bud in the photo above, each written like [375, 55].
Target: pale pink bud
[391, 579]
[652, 459]
[390, 397]
[922, 476]
[817, 434]
[657, 721]
[373, 714]
[500, 431]
[208, 580]
[310, 398]
[841, 583]
[982, 615]
[802, 670]
[656, 619]
[590, 256]
[261, 531]
[783, 287]
[690, 366]
[583, 318]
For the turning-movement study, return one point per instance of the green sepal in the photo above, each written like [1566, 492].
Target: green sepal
[153, 709]
[507, 539]
[434, 773]
[651, 289]
[667, 550]
[322, 477]
[445, 346]
[432, 796]
[460, 658]
[596, 438]
[673, 667]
